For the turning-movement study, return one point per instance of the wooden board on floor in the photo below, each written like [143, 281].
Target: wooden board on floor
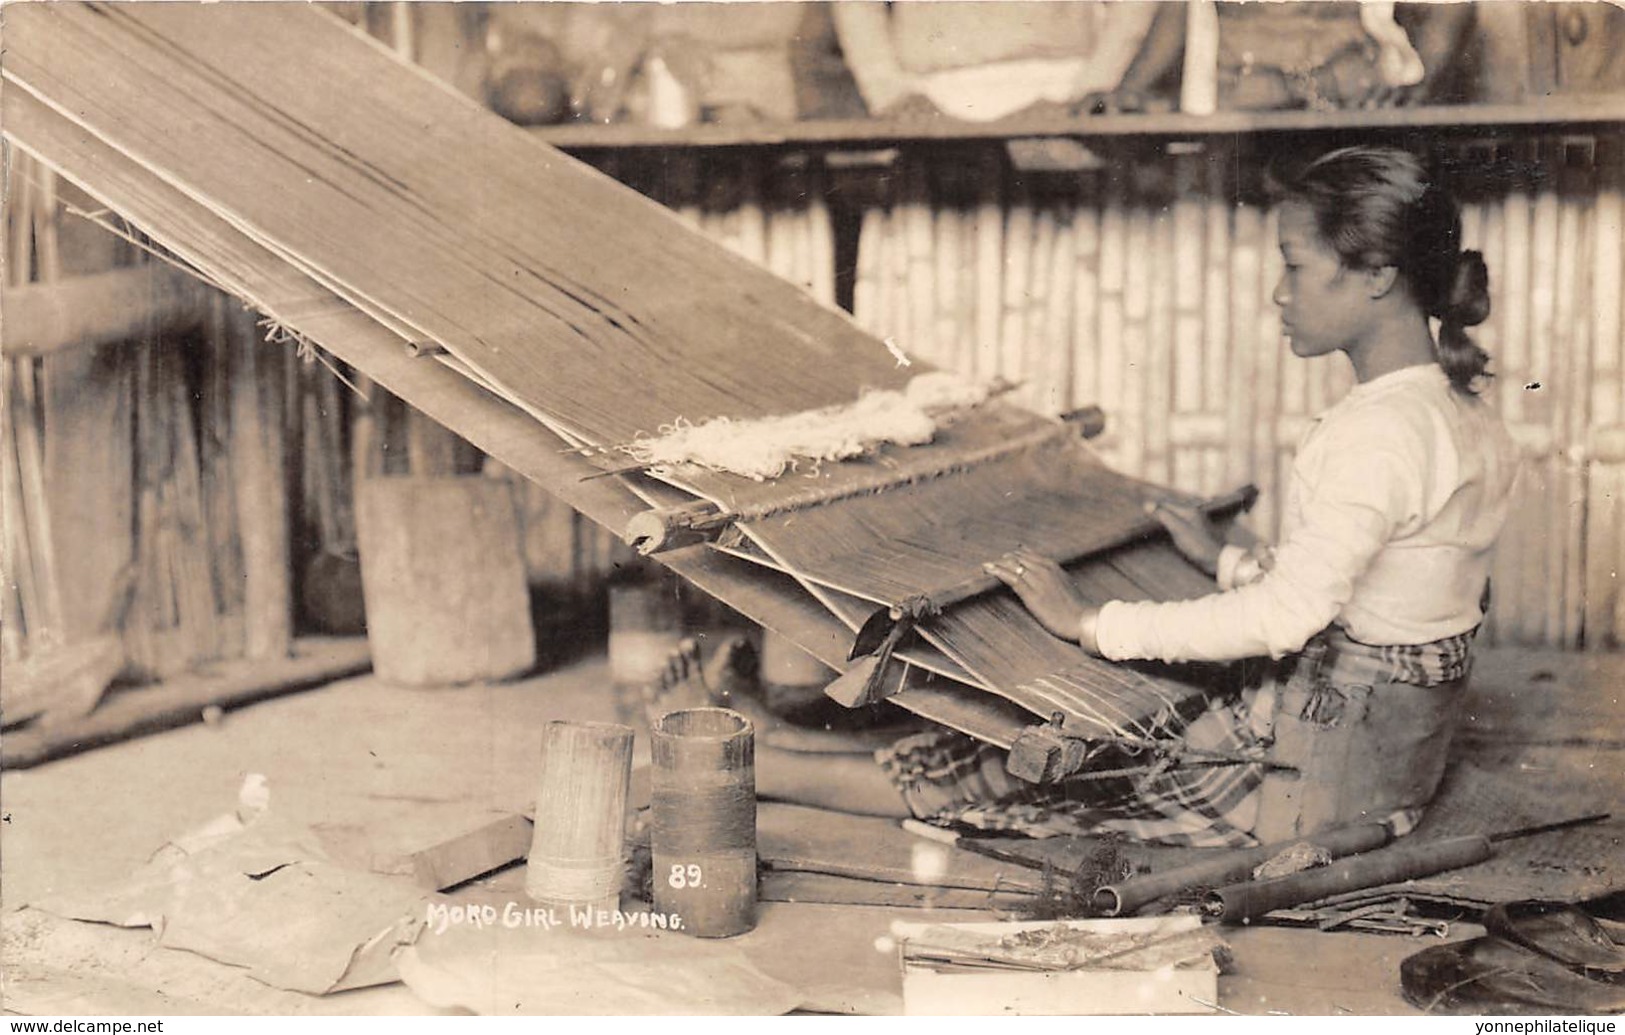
[804, 839]
[182, 699]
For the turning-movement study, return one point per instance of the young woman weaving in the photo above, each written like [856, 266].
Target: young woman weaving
[1397, 495]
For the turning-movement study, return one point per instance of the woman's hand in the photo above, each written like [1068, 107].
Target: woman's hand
[1195, 536]
[1046, 591]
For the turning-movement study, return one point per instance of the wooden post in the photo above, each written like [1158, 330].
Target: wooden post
[704, 834]
[259, 465]
[577, 847]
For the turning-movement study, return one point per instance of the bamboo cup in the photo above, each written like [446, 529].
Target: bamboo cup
[577, 849]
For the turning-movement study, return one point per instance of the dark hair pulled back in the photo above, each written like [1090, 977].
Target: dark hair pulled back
[1376, 207]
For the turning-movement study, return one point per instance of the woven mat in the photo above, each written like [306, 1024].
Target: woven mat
[1565, 865]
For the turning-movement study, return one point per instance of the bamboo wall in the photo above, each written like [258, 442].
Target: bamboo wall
[1145, 284]
[145, 480]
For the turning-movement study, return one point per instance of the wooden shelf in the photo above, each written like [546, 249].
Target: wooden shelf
[1569, 113]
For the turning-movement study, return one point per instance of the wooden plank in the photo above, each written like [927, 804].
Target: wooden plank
[1576, 112]
[101, 308]
[803, 839]
[181, 700]
[461, 858]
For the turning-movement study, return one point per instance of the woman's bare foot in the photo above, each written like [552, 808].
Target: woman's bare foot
[726, 680]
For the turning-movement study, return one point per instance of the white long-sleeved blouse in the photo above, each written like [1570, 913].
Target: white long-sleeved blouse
[1396, 498]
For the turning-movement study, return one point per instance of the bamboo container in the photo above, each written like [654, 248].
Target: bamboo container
[703, 836]
[577, 848]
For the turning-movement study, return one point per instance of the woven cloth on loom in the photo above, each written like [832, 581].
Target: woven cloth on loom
[213, 128]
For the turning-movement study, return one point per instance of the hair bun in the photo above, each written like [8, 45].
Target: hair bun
[1469, 301]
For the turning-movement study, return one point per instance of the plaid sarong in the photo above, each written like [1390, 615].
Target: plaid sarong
[949, 778]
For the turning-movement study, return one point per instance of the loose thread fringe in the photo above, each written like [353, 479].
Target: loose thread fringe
[764, 449]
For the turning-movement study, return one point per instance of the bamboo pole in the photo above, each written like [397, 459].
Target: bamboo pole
[1188, 275]
[1279, 424]
[963, 314]
[1137, 291]
[1018, 250]
[1544, 576]
[1218, 348]
[946, 331]
[990, 268]
[1058, 332]
[1161, 365]
[1085, 278]
[1605, 517]
[915, 212]
[868, 296]
[1112, 263]
[822, 231]
[1522, 535]
[1034, 306]
[1573, 344]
